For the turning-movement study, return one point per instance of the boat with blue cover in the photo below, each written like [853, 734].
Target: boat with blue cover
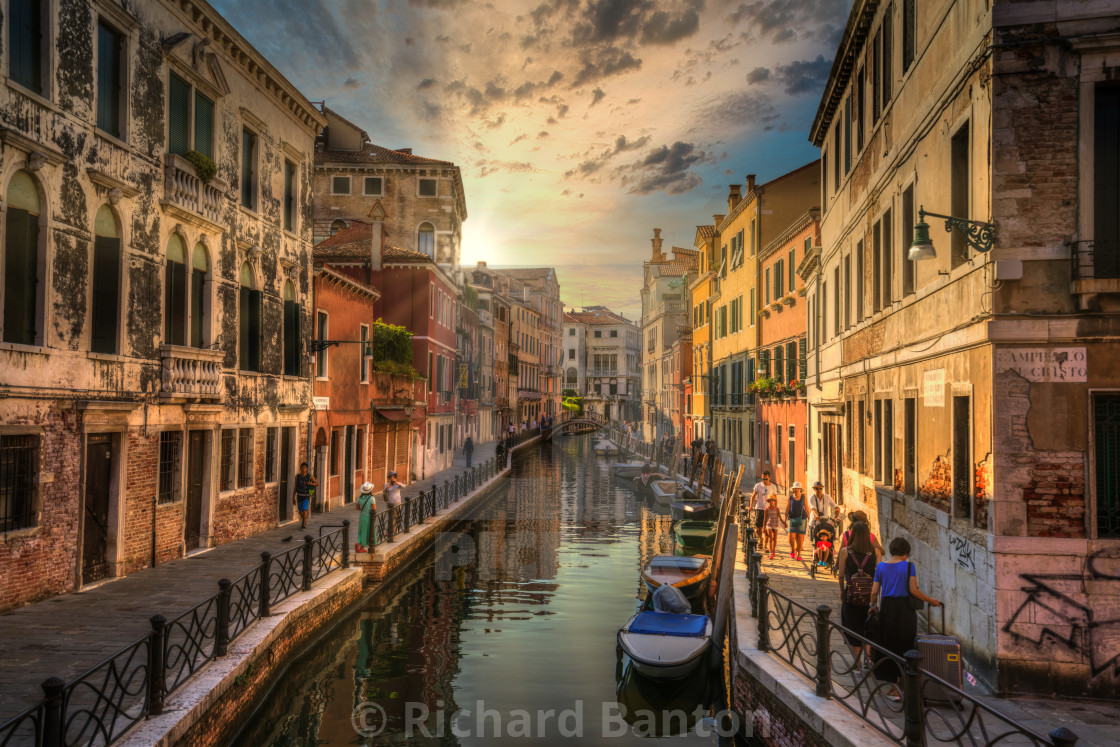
[666, 645]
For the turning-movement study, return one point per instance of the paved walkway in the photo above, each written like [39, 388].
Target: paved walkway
[66, 635]
[1094, 722]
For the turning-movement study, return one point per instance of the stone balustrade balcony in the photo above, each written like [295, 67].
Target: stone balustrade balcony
[192, 374]
[184, 191]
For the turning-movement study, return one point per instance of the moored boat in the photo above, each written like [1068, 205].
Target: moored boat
[627, 470]
[695, 536]
[663, 491]
[693, 509]
[605, 447]
[643, 483]
[689, 574]
[666, 645]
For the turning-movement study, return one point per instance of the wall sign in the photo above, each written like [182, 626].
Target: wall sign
[933, 388]
[321, 403]
[1045, 364]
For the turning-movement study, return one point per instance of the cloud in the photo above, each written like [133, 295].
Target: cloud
[425, 84]
[621, 145]
[437, 4]
[804, 76]
[667, 169]
[607, 20]
[353, 84]
[738, 109]
[597, 95]
[663, 28]
[758, 75]
[781, 20]
[519, 138]
[485, 167]
[542, 134]
[603, 63]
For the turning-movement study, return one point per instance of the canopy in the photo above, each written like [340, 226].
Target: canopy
[668, 623]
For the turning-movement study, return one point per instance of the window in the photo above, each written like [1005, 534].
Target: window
[19, 479]
[598, 333]
[249, 318]
[962, 458]
[876, 267]
[878, 441]
[836, 156]
[766, 287]
[958, 191]
[858, 290]
[106, 282]
[110, 79]
[861, 95]
[175, 292]
[428, 188]
[910, 445]
[245, 458]
[363, 367]
[226, 476]
[908, 34]
[199, 311]
[571, 332]
[23, 262]
[248, 169]
[614, 333]
[791, 265]
[778, 446]
[181, 136]
[888, 261]
[791, 361]
[860, 435]
[836, 302]
[289, 196]
[292, 350]
[847, 123]
[888, 442]
[824, 179]
[169, 451]
[321, 356]
[848, 291]
[887, 76]
[1106, 460]
[26, 43]
[372, 186]
[359, 452]
[779, 280]
[1106, 179]
[338, 225]
[876, 73]
[340, 185]
[431, 378]
[270, 454]
[752, 312]
[426, 240]
[907, 237]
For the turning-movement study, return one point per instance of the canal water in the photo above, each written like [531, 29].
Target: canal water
[503, 633]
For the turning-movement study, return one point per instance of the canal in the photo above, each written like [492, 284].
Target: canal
[502, 633]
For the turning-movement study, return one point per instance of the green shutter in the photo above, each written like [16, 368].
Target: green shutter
[203, 125]
[175, 295]
[802, 344]
[764, 361]
[291, 338]
[198, 283]
[791, 361]
[21, 276]
[106, 294]
[178, 115]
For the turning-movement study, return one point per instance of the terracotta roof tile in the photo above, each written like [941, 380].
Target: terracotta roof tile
[351, 242]
[706, 232]
[397, 253]
[371, 153]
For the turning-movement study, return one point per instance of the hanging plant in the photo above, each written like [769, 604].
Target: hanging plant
[204, 165]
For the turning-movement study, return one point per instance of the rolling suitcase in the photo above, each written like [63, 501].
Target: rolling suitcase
[941, 656]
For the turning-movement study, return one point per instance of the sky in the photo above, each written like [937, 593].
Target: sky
[578, 125]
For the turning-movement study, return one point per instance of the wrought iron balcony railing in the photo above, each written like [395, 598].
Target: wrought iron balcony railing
[1096, 259]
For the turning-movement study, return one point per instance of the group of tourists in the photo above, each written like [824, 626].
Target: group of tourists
[879, 595]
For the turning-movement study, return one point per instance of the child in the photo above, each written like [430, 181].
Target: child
[824, 547]
[770, 521]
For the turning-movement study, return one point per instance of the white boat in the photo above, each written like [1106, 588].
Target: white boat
[628, 470]
[666, 645]
[606, 447]
[664, 491]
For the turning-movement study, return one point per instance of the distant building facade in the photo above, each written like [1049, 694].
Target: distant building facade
[602, 361]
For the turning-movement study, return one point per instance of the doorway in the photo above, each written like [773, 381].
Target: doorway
[196, 468]
[348, 467]
[99, 487]
[283, 505]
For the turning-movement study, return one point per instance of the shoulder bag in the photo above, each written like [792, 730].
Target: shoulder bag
[916, 604]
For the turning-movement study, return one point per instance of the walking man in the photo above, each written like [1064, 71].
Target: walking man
[304, 482]
[468, 450]
[760, 494]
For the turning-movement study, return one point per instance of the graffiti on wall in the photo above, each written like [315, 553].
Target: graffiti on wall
[960, 550]
[1073, 620]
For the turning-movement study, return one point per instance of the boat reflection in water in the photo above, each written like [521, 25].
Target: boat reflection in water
[663, 708]
[523, 621]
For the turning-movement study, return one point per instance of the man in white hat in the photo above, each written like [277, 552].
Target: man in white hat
[821, 505]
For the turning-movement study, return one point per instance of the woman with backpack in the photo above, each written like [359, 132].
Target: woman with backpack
[857, 563]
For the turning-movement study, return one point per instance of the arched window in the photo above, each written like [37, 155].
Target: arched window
[106, 282]
[572, 377]
[175, 292]
[291, 331]
[200, 308]
[426, 240]
[249, 350]
[338, 225]
[23, 269]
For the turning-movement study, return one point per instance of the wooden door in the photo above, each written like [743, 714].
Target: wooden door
[95, 535]
[284, 498]
[196, 464]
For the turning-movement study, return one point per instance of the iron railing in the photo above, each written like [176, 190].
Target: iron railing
[817, 647]
[99, 706]
[1095, 260]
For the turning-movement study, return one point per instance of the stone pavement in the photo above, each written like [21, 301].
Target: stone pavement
[66, 635]
[1094, 722]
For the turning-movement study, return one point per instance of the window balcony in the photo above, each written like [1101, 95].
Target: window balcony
[185, 195]
[191, 374]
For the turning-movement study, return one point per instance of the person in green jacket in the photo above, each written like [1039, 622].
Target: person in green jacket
[367, 506]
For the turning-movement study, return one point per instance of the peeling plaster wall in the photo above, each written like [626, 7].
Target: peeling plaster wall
[46, 390]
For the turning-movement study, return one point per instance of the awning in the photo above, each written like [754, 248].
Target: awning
[399, 416]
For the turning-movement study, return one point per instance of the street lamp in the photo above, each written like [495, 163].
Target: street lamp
[978, 234]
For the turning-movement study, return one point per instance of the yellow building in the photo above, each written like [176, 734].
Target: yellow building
[701, 289]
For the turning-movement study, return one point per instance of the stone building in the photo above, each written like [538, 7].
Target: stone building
[698, 419]
[419, 201]
[540, 288]
[665, 284]
[602, 361]
[525, 328]
[968, 401]
[156, 290]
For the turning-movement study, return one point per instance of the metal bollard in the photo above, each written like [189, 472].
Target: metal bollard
[756, 569]
[266, 571]
[155, 665]
[824, 652]
[914, 725]
[221, 636]
[52, 715]
[308, 542]
[346, 543]
[763, 613]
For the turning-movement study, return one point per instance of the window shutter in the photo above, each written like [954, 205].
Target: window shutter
[178, 115]
[255, 302]
[791, 361]
[198, 284]
[176, 308]
[21, 276]
[106, 294]
[203, 125]
[802, 344]
[291, 339]
[764, 361]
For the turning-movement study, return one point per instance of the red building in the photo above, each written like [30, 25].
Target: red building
[780, 388]
[421, 297]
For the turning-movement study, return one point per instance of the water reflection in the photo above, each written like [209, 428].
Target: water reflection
[488, 648]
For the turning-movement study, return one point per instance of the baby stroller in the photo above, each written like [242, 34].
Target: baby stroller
[826, 534]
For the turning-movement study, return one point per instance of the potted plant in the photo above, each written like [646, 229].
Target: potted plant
[762, 386]
[204, 166]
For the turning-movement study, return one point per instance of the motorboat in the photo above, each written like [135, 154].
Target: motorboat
[689, 574]
[693, 509]
[663, 491]
[606, 448]
[643, 483]
[652, 706]
[666, 645]
[695, 536]
[627, 470]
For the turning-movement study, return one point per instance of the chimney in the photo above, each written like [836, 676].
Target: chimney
[406, 151]
[377, 245]
[482, 264]
[733, 196]
[716, 220]
[750, 183]
[657, 256]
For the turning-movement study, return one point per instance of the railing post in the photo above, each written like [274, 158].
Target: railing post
[763, 613]
[221, 636]
[914, 721]
[756, 566]
[752, 547]
[346, 542]
[266, 571]
[52, 712]
[824, 652]
[155, 665]
[1062, 737]
[308, 547]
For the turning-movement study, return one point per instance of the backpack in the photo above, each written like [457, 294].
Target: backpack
[859, 586]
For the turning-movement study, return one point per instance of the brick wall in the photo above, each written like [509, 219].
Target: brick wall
[772, 721]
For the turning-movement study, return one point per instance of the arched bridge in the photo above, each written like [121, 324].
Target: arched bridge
[597, 421]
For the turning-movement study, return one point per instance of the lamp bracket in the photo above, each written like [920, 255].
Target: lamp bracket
[978, 234]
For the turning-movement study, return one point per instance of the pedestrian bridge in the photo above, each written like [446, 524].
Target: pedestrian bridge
[581, 422]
